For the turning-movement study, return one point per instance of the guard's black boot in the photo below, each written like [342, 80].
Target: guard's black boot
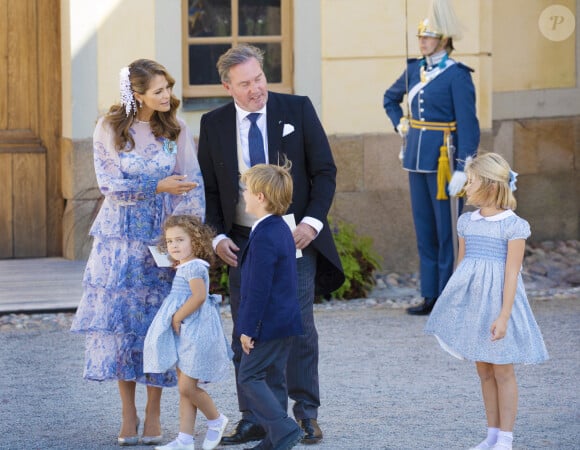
[424, 308]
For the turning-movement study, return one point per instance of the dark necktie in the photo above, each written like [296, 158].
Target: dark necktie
[255, 141]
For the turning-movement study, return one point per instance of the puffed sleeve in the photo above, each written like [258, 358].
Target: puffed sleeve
[462, 223]
[195, 269]
[193, 203]
[518, 229]
[110, 178]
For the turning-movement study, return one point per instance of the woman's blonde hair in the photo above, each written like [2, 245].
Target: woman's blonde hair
[201, 236]
[494, 173]
[275, 182]
[163, 124]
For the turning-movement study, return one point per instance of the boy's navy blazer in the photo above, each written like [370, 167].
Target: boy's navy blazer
[313, 172]
[268, 299]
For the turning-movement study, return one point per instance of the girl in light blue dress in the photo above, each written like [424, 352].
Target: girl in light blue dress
[483, 314]
[187, 331]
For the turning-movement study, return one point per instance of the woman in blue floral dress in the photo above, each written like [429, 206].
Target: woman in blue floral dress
[146, 166]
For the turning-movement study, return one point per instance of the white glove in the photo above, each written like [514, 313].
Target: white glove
[457, 182]
[403, 127]
[401, 131]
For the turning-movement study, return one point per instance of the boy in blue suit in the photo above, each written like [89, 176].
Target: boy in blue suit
[269, 314]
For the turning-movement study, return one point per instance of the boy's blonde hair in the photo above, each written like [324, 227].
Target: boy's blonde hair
[275, 182]
[201, 236]
[494, 173]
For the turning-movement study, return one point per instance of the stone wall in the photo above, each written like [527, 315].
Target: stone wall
[372, 189]
[546, 154]
[81, 196]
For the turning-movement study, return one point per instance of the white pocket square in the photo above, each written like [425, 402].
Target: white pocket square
[288, 128]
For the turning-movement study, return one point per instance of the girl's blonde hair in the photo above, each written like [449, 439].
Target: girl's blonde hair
[275, 182]
[201, 236]
[494, 173]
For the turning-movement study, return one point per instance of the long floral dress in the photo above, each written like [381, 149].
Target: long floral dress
[122, 286]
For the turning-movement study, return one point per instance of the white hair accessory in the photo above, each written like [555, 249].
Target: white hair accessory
[512, 180]
[127, 98]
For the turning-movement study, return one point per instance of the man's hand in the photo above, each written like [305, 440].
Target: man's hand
[303, 234]
[226, 250]
[457, 182]
[247, 343]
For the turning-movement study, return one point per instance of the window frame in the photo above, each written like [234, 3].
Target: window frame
[217, 90]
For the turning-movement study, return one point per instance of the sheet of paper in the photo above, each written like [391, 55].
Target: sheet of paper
[161, 259]
[289, 219]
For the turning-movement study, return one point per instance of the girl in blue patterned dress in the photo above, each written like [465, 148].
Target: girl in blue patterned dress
[483, 314]
[146, 167]
[187, 331]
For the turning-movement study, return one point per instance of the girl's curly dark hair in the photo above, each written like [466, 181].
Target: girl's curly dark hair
[201, 236]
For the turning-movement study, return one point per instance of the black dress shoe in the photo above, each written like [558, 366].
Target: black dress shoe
[288, 442]
[312, 432]
[260, 446]
[424, 308]
[245, 432]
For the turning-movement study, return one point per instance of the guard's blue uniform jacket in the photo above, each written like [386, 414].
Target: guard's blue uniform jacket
[450, 97]
[447, 97]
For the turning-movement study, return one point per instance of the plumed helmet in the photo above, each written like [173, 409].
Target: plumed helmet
[441, 21]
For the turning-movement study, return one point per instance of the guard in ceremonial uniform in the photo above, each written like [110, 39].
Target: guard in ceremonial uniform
[438, 137]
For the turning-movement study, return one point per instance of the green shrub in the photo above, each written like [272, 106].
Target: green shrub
[218, 279]
[358, 258]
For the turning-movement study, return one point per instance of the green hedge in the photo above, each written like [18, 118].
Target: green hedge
[358, 258]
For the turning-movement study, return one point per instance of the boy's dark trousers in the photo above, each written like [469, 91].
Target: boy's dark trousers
[268, 400]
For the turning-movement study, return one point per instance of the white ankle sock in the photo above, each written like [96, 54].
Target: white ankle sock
[216, 423]
[504, 440]
[490, 440]
[185, 438]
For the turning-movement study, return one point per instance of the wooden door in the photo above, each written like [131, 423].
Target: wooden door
[31, 204]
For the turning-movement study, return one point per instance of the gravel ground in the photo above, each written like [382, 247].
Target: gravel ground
[384, 384]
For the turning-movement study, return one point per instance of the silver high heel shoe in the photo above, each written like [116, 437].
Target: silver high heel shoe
[130, 440]
[151, 440]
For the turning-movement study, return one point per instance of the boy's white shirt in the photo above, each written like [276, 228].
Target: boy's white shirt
[260, 220]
